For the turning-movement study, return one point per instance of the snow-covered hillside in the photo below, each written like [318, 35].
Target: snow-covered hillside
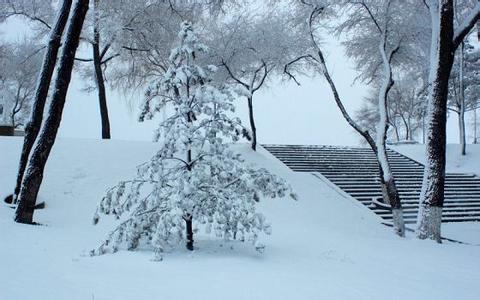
[323, 246]
[456, 163]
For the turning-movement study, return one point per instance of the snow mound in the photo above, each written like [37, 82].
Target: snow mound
[456, 163]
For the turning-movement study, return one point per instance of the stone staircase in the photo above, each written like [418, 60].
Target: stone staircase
[355, 171]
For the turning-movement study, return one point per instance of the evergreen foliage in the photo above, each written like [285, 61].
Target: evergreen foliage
[195, 176]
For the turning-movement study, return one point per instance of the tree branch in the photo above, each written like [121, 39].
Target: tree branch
[265, 73]
[83, 59]
[466, 26]
[287, 66]
[135, 49]
[314, 14]
[104, 51]
[109, 58]
[233, 76]
[369, 12]
[28, 16]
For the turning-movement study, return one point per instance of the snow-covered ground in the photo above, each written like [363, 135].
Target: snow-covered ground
[323, 246]
[456, 163]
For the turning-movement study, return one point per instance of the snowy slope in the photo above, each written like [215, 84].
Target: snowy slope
[456, 163]
[324, 246]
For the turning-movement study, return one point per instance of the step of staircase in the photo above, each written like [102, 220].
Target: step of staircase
[355, 171]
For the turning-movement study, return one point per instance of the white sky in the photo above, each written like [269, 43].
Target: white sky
[285, 112]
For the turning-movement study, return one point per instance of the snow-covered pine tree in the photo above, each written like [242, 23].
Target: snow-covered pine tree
[195, 179]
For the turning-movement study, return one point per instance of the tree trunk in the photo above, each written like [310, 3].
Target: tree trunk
[16, 108]
[34, 175]
[389, 187]
[461, 125]
[410, 130]
[97, 62]
[423, 129]
[188, 217]
[475, 125]
[391, 194]
[189, 232]
[252, 123]
[461, 115]
[12, 121]
[32, 128]
[442, 57]
[391, 197]
[395, 130]
[475, 109]
[407, 132]
[478, 32]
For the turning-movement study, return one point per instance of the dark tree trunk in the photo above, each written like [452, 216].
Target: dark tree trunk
[17, 107]
[407, 129]
[432, 196]
[444, 43]
[478, 31]
[475, 125]
[97, 62]
[189, 232]
[461, 115]
[461, 125]
[423, 130]
[34, 175]
[188, 217]
[252, 123]
[45, 77]
[397, 135]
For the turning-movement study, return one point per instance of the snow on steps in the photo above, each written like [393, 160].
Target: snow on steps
[355, 171]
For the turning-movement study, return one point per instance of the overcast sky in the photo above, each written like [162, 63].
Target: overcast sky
[285, 112]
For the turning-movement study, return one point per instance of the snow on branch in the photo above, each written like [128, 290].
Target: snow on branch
[466, 25]
[195, 180]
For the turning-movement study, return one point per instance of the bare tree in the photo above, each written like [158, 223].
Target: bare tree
[404, 108]
[251, 48]
[41, 91]
[40, 13]
[38, 159]
[141, 34]
[464, 89]
[19, 72]
[379, 40]
[100, 33]
[100, 59]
